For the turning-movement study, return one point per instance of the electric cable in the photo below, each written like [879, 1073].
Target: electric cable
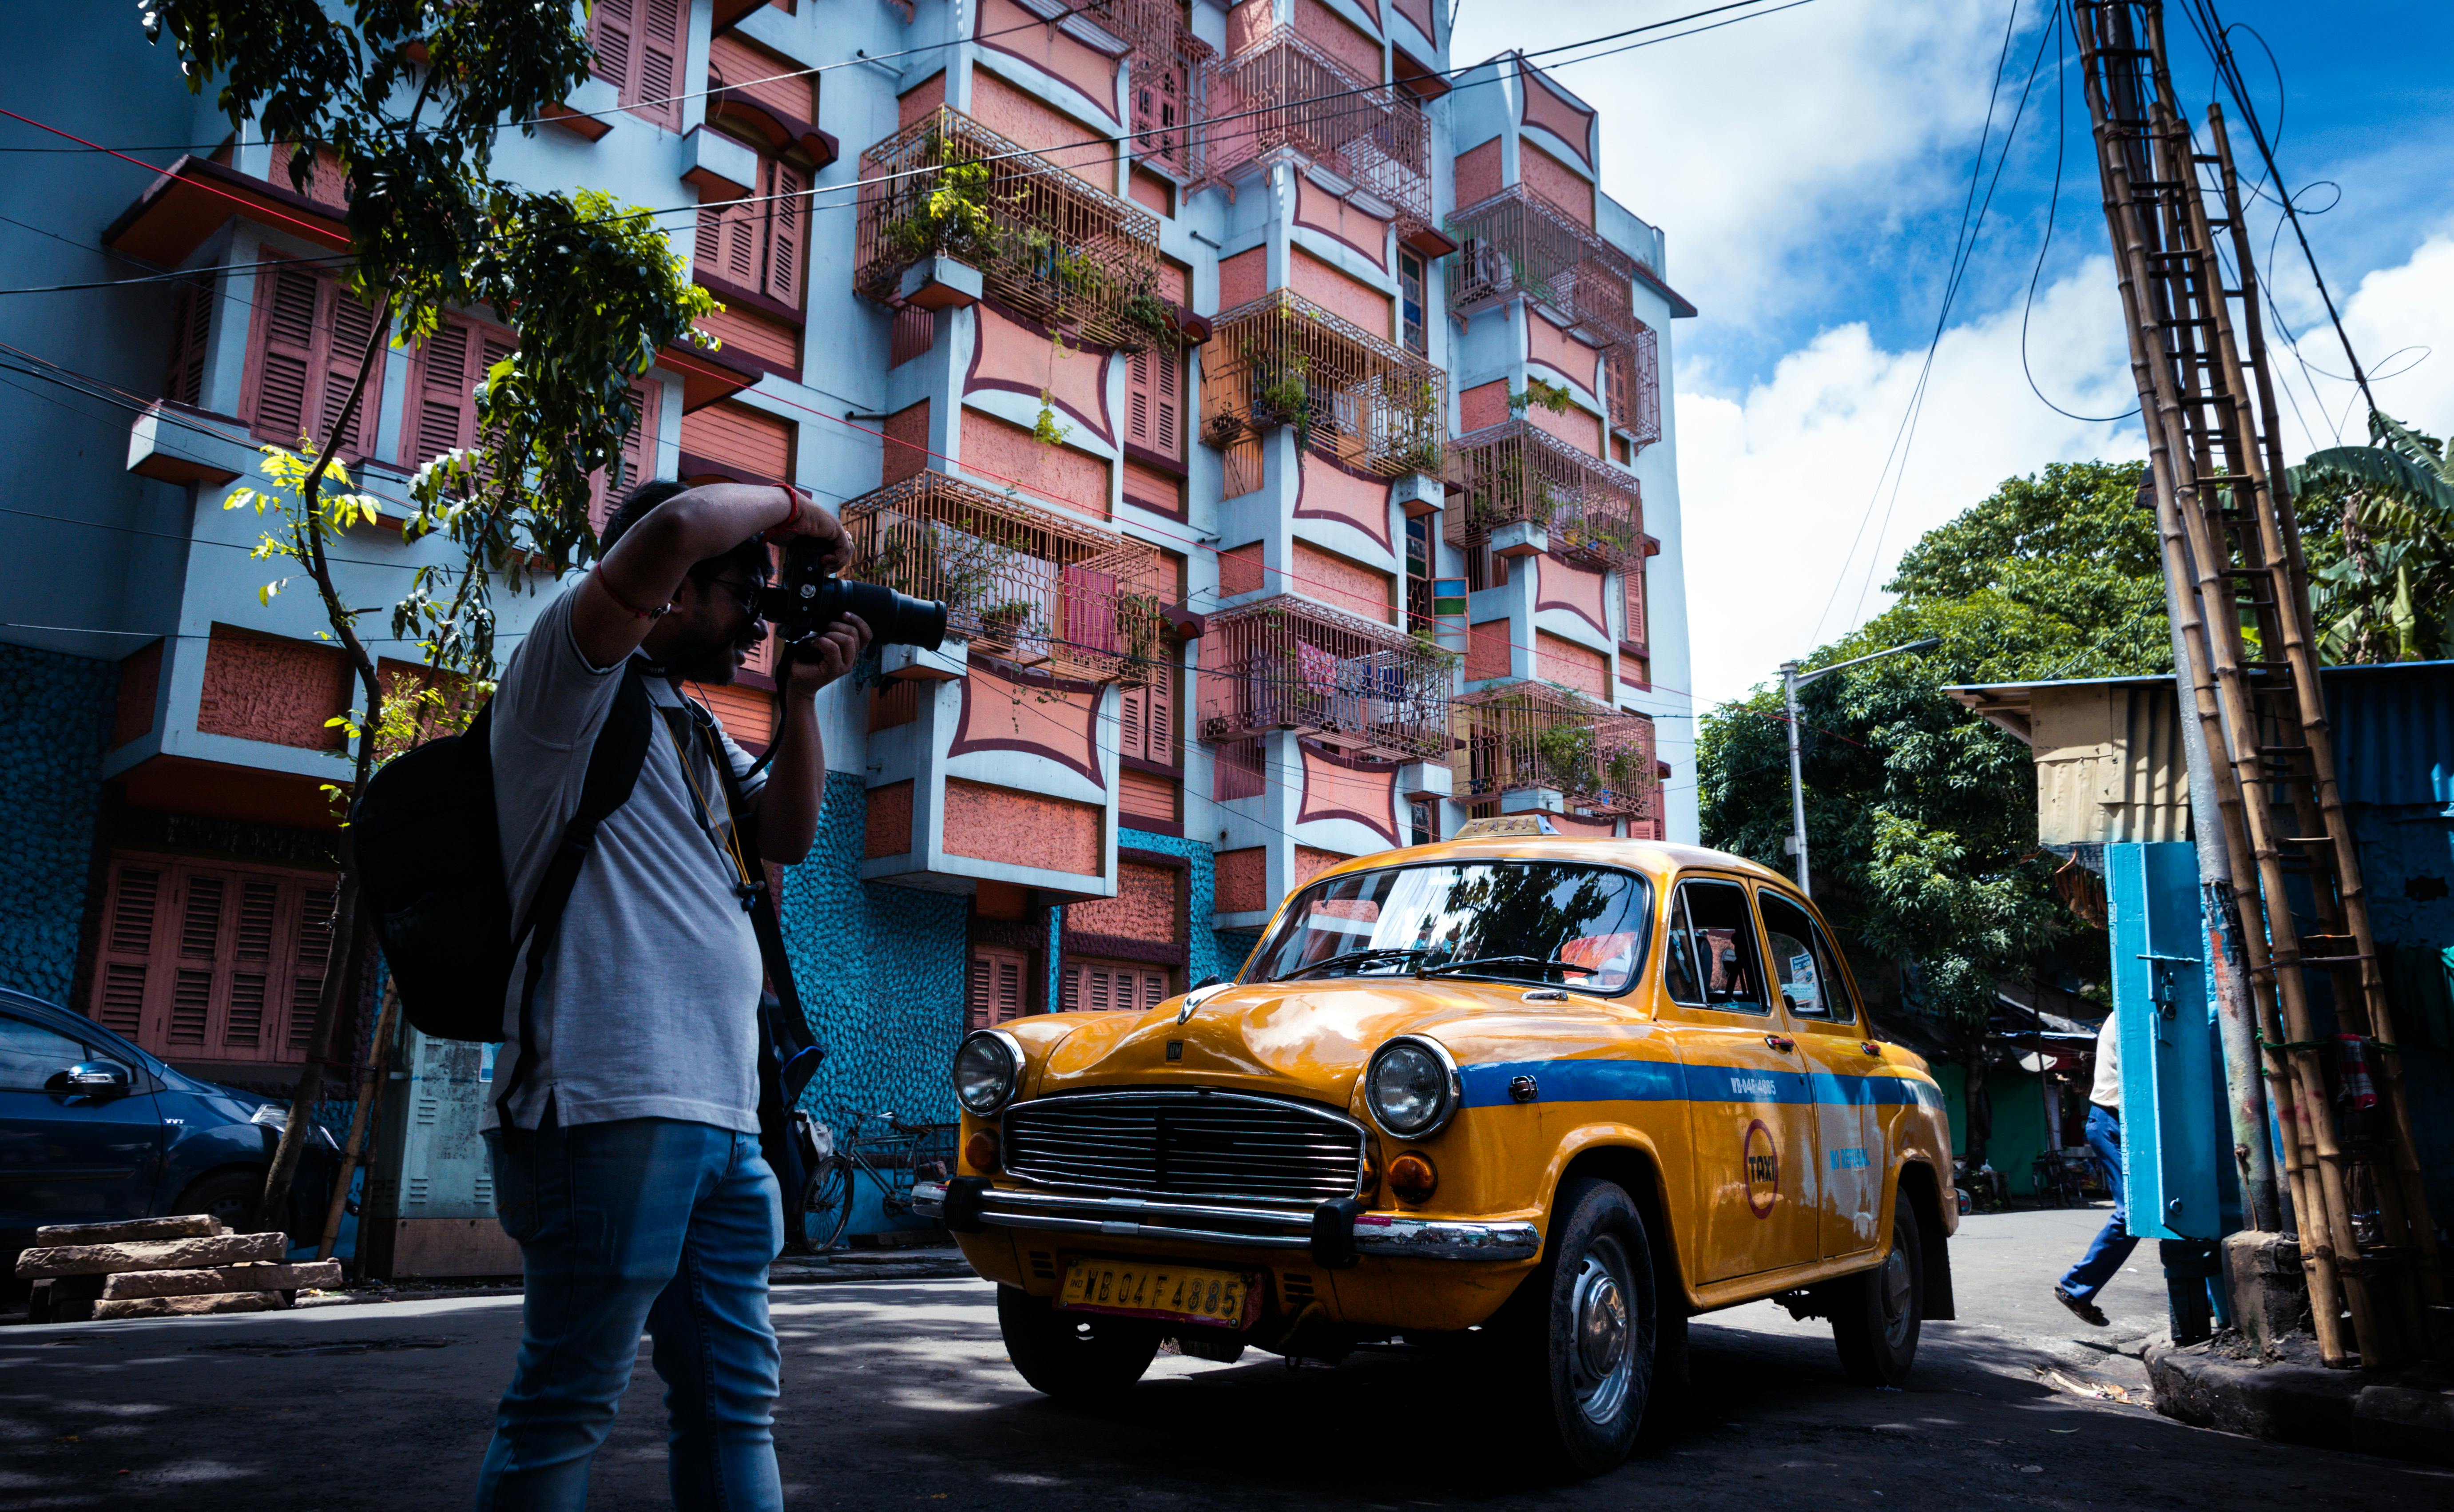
[2062, 133]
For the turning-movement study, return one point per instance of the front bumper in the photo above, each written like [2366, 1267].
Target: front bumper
[968, 1204]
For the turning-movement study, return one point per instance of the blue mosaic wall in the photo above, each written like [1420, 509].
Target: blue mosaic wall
[54, 726]
[880, 970]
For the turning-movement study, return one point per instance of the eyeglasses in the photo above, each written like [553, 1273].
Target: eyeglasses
[746, 594]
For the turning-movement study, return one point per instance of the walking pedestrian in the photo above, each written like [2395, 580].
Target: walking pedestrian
[624, 1135]
[2113, 1242]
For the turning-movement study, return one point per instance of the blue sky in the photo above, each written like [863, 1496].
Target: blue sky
[1810, 169]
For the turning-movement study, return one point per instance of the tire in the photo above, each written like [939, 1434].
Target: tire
[228, 1195]
[1073, 1356]
[828, 1210]
[1582, 1329]
[1875, 1314]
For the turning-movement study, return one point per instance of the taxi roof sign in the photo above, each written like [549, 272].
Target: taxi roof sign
[1513, 825]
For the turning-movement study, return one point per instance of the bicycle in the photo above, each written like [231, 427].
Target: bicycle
[893, 1158]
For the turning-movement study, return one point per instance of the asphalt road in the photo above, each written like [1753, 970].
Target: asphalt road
[898, 1395]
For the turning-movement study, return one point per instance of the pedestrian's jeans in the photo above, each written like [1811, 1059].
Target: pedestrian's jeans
[641, 1223]
[2113, 1242]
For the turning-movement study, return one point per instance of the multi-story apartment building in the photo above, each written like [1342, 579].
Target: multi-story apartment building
[1277, 407]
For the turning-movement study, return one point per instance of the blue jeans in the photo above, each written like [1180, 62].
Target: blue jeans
[2113, 1242]
[643, 1223]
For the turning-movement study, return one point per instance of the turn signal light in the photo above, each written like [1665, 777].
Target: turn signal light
[980, 1152]
[1412, 1178]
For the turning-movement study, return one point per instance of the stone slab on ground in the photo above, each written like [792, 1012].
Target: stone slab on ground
[161, 1255]
[190, 1306]
[222, 1278]
[2407, 1416]
[190, 1226]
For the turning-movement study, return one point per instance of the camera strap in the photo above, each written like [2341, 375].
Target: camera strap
[796, 1052]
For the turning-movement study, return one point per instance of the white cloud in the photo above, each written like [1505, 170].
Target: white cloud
[1760, 147]
[1774, 484]
[2401, 320]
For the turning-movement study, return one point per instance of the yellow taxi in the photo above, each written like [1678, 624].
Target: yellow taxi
[1553, 1095]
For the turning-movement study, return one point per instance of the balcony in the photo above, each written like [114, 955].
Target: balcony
[1534, 739]
[1513, 473]
[1041, 240]
[1286, 663]
[1282, 94]
[1635, 377]
[1021, 583]
[1518, 243]
[1283, 360]
[1171, 79]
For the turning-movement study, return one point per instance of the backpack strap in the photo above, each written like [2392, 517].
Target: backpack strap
[796, 1051]
[614, 767]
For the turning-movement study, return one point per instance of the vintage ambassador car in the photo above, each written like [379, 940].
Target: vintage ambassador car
[1540, 1094]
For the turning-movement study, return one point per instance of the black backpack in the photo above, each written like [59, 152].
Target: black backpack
[430, 861]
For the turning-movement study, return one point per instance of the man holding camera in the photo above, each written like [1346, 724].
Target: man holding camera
[625, 1137]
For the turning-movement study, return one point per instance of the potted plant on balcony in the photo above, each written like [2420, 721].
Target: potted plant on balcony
[1567, 757]
[1145, 321]
[1003, 623]
[1284, 398]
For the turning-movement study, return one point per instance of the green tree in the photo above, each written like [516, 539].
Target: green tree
[1923, 816]
[2378, 530]
[410, 98]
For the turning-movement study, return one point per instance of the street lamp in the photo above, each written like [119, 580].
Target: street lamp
[1791, 680]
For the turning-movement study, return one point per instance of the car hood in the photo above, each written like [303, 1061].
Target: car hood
[1303, 1040]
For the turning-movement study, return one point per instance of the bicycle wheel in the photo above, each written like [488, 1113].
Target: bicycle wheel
[830, 1205]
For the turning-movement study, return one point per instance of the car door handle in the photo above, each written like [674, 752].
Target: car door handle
[1781, 1042]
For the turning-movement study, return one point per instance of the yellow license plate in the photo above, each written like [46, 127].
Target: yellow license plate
[1182, 1294]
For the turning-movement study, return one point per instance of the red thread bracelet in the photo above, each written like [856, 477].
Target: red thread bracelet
[785, 526]
[636, 612]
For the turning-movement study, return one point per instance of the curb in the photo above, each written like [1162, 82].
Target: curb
[2408, 1417]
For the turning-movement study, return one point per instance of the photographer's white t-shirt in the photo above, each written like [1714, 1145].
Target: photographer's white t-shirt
[648, 1008]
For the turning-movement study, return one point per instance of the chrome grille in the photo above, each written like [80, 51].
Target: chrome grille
[1189, 1146]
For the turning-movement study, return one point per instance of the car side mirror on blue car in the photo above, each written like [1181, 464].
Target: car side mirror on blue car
[95, 1078]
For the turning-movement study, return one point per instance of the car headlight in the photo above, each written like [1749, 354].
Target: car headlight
[271, 1115]
[1413, 1087]
[988, 1066]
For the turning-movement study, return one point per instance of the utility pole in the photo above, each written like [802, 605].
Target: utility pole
[1791, 680]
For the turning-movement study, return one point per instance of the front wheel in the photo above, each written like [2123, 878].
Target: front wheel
[1584, 1333]
[828, 1210]
[1875, 1314]
[1073, 1356]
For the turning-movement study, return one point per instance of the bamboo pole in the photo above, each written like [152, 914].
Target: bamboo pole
[369, 1087]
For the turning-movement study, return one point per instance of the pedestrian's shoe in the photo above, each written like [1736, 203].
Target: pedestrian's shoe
[2087, 1311]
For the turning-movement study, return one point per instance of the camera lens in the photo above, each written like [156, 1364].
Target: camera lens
[805, 600]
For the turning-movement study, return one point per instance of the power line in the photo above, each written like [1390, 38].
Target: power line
[2053, 204]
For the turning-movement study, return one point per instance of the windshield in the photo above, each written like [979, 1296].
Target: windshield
[1559, 922]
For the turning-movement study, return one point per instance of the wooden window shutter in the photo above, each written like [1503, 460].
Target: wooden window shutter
[1632, 581]
[348, 329]
[286, 356]
[445, 408]
[995, 987]
[212, 961]
[1167, 382]
[611, 25]
[1133, 722]
[1138, 399]
[308, 963]
[189, 343]
[638, 48]
[638, 447]
[492, 347]
[788, 231]
[1159, 738]
[128, 961]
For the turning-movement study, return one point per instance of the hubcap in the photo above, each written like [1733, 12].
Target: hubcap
[1894, 1285]
[1603, 1366]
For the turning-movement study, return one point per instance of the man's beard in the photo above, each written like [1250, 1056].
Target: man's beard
[715, 662]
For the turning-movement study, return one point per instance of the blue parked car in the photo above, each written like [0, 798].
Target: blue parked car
[94, 1130]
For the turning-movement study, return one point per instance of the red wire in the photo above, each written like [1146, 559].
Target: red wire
[158, 172]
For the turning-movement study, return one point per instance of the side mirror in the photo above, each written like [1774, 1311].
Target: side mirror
[95, 1078]
[1208, 981]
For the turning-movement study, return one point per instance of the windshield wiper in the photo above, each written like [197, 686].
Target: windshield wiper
[1353, 957]
[1553, 963]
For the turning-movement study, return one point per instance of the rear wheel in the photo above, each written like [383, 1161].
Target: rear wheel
[229, 1197]
[1073, 1356]
[828, 1210]
[1875, 1314]
[1583, 1335]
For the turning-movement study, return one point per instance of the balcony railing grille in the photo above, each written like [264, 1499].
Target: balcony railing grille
[1282, 94]
[1286, 663]
[1517, 242]
[1283, 360]
[1635, 377]
[1019, 581]
[1171, 79]
[1531, 735]
[1514, 473]
[1044, 241]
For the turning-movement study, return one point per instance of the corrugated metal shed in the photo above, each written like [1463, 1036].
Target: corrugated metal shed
[2109, 756]
[2394, 732]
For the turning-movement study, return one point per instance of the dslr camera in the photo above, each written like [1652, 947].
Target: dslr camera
[805, 599]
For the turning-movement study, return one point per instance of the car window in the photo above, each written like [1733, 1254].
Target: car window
[32, 1054]
[1844, 1002]
[1803, 971]
[1559, 922]
[1712, 925]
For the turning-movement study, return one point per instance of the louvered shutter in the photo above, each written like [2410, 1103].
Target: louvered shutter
[251, 964]
[788, 227]
[1158, 737]
[660, 56]
[1632, 580]
[995, 993]
[286, 361]
[1138, 401]
[189, 344]
[308, 963]
[350, 329]
[1167, 402]
[637, 447]
[1133, 723]
[128, 961]
[444, 406]
[492, 347]
[613, 24]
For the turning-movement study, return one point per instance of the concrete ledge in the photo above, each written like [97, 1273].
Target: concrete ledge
[2403, 1418]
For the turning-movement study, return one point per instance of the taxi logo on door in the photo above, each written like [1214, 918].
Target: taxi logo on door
[1762, 1158]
